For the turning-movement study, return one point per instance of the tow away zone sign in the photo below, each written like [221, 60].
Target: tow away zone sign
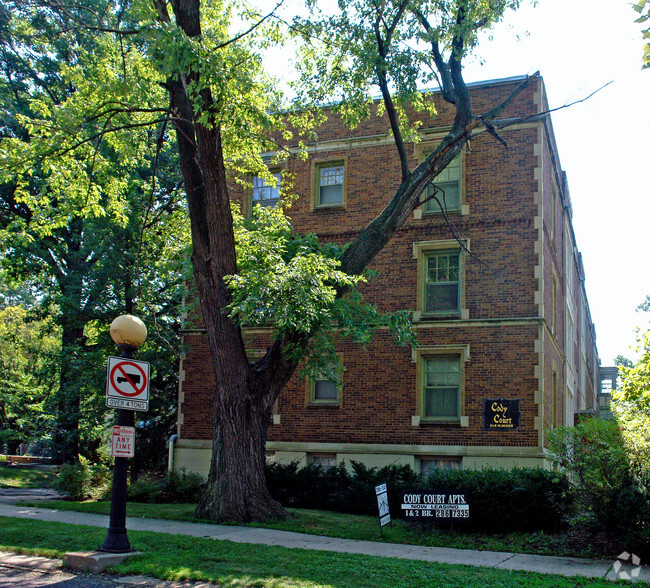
[127, 384]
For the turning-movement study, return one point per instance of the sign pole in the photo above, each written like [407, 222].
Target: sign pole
[116, 540]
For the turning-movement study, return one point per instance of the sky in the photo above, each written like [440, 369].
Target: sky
[578, 46]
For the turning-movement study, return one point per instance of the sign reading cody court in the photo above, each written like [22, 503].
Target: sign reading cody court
[434, 504]
[499, 413]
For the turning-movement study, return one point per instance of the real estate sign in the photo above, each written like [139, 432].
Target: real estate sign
[429, 505]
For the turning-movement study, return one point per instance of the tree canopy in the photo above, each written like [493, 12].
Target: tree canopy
[94, 222]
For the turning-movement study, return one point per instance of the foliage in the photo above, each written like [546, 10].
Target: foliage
[635, 380]
[93, 223]
[370, 46]
[500, 500]
[83, 480]
[621, 360]
[609, 482]
[174, 487]
[292, 282]
[594, 455]
[28, 352]
[334, 488]
[642, 7]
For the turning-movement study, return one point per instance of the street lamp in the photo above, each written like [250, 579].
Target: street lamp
[128, 332]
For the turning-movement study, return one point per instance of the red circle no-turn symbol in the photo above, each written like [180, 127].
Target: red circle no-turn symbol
[128, 379]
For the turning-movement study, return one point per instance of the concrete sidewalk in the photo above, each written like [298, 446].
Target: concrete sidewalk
[564, 566]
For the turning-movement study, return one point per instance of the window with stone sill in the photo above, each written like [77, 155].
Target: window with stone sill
[442, 283]
[329, 184]
[441, 387]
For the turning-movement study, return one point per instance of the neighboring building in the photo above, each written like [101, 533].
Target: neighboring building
[506, 344]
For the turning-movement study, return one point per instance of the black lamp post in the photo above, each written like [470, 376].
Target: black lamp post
[129, 333]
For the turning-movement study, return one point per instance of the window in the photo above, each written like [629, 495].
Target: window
[323, 389]
[441, 393]
[440, 384]
[554, 305]
[554, 399]
[442, 283]
[449, 192]
[323, 460]
[553, 214]
[441, 279]
[429, 464]
[266, 194]
[330, 184]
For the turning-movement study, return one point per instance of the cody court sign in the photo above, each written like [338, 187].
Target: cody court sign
[436, 504]
[127, 384]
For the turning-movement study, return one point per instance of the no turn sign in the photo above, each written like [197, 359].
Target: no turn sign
[127, 384]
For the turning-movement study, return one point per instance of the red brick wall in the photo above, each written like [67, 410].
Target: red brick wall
[379, 393]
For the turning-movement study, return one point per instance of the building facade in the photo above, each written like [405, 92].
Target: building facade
[506, 347]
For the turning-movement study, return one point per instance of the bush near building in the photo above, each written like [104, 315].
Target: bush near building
[500, 500]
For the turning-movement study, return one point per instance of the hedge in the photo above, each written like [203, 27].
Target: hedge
[520, 499]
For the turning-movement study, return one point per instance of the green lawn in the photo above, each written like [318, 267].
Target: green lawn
[170, 557]
[25, 477]
[366, 528]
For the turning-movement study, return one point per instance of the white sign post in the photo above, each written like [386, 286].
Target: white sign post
[127, 384]
[382, 505]
[123, 441]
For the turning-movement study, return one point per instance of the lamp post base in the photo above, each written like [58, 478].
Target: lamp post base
[116, 541]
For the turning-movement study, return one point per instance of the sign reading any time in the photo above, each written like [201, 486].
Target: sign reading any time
[500, 413]
[434, 504]
[127, 384]
[123, 441]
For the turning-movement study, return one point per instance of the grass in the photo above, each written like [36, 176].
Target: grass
[25, 477]
[170, 557]
[366, 528]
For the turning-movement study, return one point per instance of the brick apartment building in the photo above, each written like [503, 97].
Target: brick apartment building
[506, 347]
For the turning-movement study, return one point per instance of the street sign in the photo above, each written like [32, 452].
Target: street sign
[123, 441]
[127, 384]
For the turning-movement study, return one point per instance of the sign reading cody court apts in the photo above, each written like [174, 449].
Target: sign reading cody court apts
[430, 505]
[499, 413]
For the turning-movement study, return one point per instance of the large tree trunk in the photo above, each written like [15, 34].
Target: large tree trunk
[237, 489]
[242, 404]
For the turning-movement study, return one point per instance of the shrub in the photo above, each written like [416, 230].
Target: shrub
[520, 499]
[500, 500]
[83, 480]
[612, 488]
[174, 487]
